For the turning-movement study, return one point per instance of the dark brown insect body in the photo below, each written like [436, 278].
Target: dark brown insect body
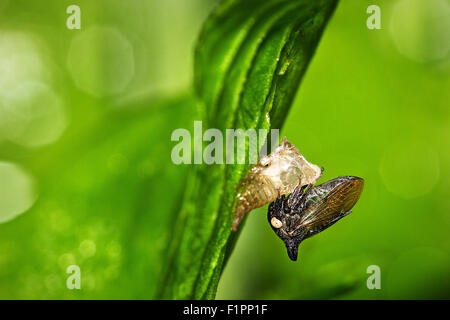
[311, 209]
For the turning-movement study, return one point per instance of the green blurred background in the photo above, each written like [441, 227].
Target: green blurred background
[85, 171]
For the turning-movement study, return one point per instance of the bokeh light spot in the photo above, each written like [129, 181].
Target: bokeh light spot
[101, 61]
[53, 282]
[66, 260]
[17, 191]
[114, 249]
[32, 115]
[421, 29]
[410, 168]
[20, 60]
[87, 248]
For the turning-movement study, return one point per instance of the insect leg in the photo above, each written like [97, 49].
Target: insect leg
[298, 191]
[300, 200]
[295, 195]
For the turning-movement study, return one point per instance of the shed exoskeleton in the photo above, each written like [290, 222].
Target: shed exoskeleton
[274, 175]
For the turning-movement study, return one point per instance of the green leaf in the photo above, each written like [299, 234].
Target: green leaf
[250, 58]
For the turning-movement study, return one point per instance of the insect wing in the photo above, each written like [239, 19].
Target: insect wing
[329, 206]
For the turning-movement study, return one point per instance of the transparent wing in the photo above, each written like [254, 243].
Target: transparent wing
[331, 202]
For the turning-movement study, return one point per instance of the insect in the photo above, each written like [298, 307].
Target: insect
[275, 174]
[310, 209]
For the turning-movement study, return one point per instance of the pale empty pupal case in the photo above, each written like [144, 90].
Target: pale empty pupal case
[275, 174]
